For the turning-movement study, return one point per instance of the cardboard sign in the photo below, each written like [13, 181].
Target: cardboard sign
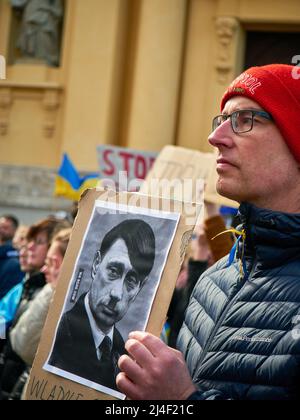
[113, 160]
[95, 259]
[186, 164]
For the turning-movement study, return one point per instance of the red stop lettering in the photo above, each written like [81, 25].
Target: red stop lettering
[110, 170]
[126, 161]
[140, 168]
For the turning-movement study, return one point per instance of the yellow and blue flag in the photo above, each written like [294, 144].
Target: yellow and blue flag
[68, 182]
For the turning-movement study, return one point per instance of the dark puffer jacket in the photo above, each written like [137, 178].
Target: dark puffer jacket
[241, 336]
[10, 272]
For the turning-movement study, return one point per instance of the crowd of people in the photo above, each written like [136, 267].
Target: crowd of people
[30, 263]
[234, 319]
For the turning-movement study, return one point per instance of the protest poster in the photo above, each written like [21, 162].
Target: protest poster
[114, 160]
[116, 235]
[194, 170]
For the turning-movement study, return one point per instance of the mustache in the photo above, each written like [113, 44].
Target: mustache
[108, 302]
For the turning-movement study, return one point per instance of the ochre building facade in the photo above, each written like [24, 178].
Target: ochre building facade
[135, 73]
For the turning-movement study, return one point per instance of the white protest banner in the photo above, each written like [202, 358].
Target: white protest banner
[188, 169]
[115, 160]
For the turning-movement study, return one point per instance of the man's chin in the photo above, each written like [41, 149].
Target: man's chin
[106, 321]
[103, 325]
[228, 192]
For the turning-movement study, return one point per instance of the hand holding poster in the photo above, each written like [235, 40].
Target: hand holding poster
[118, 276]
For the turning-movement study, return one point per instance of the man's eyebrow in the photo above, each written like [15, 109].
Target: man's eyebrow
[250, 108]
[116, 264]
[133, 271]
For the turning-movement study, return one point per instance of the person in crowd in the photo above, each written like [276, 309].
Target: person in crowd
[10, 302]
[25, 335]
[88, 342]
[10, 272]
[240, 339]
[39, 238]
[74, 210]
[20, 237]
[207, 247]
[8, 227]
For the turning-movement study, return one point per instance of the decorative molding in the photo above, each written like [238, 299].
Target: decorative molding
[226, 28]
[48, 93]
[40, 86]
[51, 103]
[5, 108]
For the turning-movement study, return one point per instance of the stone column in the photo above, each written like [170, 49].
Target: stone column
[153, 103]
[92, 78]
[212, 60]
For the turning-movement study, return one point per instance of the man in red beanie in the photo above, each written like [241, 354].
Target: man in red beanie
[241, 335]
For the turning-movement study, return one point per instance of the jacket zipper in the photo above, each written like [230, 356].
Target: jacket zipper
[221, 319]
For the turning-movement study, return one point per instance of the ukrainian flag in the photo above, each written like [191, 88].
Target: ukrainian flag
[68, 182]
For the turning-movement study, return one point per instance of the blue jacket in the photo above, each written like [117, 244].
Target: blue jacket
[10, 272]
[241, 335]
[10, 303]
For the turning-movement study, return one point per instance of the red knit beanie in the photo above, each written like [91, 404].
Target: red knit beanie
[276, 88]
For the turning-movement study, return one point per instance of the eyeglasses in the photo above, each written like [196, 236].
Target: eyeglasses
[241, 121]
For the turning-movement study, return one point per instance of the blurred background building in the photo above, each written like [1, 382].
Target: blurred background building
[135, 73]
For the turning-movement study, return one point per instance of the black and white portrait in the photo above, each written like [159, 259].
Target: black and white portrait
[114, 283]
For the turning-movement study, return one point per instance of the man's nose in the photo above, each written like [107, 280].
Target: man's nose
[116, 292]
[222, 136]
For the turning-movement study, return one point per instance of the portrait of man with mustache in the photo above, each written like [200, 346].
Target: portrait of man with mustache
[88, 343]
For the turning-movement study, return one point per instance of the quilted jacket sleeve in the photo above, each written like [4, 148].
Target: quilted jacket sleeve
[212, 395]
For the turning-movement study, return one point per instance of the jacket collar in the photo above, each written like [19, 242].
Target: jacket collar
[272, 237]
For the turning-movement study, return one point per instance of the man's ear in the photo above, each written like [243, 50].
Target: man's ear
[96, 262]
